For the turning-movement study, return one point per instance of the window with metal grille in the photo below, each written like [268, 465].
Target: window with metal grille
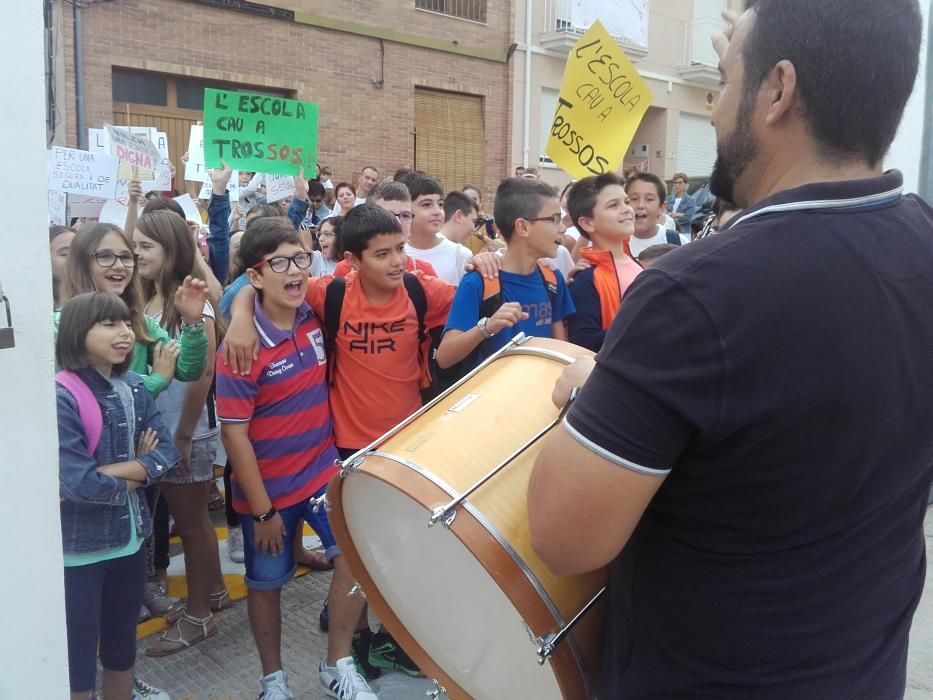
[474, 10]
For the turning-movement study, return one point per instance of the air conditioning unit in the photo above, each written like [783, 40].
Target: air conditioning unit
[641, 151]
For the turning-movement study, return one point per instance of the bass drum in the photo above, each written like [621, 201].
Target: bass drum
[461, 589]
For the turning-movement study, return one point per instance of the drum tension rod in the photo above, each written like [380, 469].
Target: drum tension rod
[547, 644]
[448, 512]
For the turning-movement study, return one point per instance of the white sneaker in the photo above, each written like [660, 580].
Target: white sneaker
[344, 682]
[235, 545]
[144, 691]
[275, 687]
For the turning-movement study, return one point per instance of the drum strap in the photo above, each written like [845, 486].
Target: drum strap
[333, 306]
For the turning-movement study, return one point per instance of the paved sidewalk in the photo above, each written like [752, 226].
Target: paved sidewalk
[227, 667]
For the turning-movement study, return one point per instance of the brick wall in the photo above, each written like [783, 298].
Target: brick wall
[359, 123]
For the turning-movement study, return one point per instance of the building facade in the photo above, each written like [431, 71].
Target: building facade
[421, 83]
[672, 51]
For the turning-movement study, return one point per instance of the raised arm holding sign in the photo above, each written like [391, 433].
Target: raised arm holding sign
[602, 101]
[259, 133]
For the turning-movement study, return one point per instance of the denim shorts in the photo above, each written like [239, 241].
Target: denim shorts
[265, 571]
[203, 452]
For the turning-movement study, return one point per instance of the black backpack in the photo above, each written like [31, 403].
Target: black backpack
[333, 305]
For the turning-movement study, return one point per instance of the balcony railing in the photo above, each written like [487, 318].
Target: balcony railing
[559, 34]
[473, 10]
[701, 64]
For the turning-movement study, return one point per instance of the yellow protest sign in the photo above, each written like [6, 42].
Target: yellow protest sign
[602, 102]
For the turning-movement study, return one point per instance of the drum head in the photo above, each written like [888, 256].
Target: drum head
[441, 594]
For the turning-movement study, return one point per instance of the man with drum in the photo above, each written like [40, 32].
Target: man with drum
[751, 452]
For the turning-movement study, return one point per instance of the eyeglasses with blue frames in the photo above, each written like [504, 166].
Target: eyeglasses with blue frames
[280, 263]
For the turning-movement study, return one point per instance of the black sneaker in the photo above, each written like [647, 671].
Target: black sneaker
[386, 654]
[323, 618]
[360, 652]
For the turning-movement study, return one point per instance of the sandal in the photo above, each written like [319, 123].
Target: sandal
[180, 642]
[218, 601]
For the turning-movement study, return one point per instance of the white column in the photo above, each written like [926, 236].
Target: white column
[907, 149]
[32, 609]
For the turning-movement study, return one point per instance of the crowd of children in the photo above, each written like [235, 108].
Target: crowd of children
[308, 329]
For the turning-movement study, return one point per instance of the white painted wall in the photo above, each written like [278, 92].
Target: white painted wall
[906, 150]
[32, 609]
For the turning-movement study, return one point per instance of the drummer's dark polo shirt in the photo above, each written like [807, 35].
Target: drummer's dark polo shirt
[781, 375]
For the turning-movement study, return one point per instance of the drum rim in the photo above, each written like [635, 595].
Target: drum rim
[568, 666]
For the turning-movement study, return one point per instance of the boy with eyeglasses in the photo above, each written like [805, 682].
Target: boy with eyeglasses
[277, 430]
[530, 297]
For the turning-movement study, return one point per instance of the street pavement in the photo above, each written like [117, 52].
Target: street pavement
[226, 667]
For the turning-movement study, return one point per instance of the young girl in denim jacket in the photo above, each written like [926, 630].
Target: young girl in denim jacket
[104, 521]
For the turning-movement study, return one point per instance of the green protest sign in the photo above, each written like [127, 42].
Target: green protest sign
[260, 133]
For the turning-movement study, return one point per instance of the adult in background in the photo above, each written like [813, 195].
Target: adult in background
[753, 444]
[681, 205]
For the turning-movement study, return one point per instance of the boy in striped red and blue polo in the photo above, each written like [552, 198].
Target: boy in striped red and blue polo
[284, 400]
[276, 428]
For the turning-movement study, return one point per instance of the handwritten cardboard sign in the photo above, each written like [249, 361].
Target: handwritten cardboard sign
[81, 206]
[279, 187]
[139, 157]
[259, 133]
[163, 175]
[82, 172]
[58, 206]
[233, 187]
[195, 169]
[192, 213]
[602, 101]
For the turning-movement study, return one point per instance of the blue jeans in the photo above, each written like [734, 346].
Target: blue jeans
[102, 603]
[265, 571]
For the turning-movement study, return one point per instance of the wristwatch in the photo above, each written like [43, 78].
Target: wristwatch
[265, 516]
[481, 324]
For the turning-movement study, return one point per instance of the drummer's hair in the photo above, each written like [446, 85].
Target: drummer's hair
[363, 222]
[519, 198]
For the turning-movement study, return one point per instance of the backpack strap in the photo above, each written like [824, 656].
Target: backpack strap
[492, 296]
[88, 409]
[549, 278]
[333, 305]
[419, 300]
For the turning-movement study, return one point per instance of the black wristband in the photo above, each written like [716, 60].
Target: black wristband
[265, 516]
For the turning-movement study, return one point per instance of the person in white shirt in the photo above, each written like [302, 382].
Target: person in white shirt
[427, 241]
[646, 193]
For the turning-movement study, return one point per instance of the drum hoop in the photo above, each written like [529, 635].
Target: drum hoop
[519, 562]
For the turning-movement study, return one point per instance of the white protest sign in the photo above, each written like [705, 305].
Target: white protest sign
[163, 179]
[114, 213]
[82, 172]
[138, 156]
[58, 208]
[279, 187]
[233, 188]
[195, 170]
[85, 207]
[97, 141]
[192, 213]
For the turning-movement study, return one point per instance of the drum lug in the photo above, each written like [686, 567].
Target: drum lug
[318, 503]
[437, 691]
[442, 513]
[547, 644]
[350, 465]
[357, 590]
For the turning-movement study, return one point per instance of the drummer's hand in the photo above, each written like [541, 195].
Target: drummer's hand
[573, 377]
[506, 316]
[268, 535]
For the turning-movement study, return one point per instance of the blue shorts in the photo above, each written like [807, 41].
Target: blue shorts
[265, 571]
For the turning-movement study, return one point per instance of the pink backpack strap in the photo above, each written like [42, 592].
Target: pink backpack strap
[88, 408]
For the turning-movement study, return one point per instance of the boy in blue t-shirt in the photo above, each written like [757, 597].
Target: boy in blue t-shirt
[535, 301]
